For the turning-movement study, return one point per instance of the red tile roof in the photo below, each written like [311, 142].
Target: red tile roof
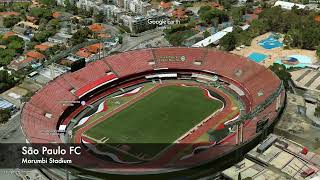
[251, 17]
[8, 34]
[165, 5]
[41, 47]
[9, 13]
[104, 35]
[31, 18]
[35, 55]
[56, 14]
[27, 60]
[96, 27]
[94, 48]
[179, 13]
[84, 54]
[257, 11]
[215, 4]
[317, 18]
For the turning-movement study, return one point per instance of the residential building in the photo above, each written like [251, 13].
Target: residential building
[138, 24]
[137, 6]
[60, 38]
[32, 58]
[119, 3]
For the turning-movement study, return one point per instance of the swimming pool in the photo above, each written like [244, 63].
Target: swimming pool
[257, 57]
[303, 61]
[270, 43]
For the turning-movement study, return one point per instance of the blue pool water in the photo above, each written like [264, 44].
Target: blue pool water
[303, 61]
[257, 57]
[270, 43]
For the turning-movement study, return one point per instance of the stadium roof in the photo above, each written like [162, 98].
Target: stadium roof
[217, 36]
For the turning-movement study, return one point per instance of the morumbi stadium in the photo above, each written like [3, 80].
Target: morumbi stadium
[162, 112]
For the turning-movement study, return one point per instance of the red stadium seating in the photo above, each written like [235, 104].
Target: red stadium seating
[86, 75]
[131, 62]
[94, 84]
[179, 58]
[251, 77]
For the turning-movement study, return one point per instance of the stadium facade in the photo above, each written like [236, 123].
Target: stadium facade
[256, 87]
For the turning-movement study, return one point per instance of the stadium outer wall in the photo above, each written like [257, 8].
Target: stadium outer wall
[238, 151]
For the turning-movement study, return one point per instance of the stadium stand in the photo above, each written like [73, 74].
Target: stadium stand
[42, 114]
[181, 58]
[131, 62]
[95, 84]
[86, 75]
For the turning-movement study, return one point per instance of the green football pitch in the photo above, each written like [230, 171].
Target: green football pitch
[159, 118]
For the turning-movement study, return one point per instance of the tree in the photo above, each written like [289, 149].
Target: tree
[236, 14]
[317, 111]
[206, 34]
[100, 17]
[53, 25]
[208, 14]
[228, 42]
[6, 56]
[80, 36]
[281, 71]
[120, 39]
[41, 13]
[10, 21]
[14, 42]
[41, 36]
[318, 52]
[204, 9]
[49, 3]
[70, 7]
[6, 81]
[4, 115]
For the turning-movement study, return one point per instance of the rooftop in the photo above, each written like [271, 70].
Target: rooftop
[165, 5]
[9, 13]
[96, 27]
[282, 160]
[42, 47]
[8, 34]
[179, 13]
[35, 55]
[94, 48]
[104, 35]
[5, 104]
[56, 14]
[83, 54]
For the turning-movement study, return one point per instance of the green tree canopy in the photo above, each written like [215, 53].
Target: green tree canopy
[317, 111]
[41, 13]
[10, 21]
[209, 14]
[228, 42]
[281, 71]
[81, 36]
[318, 53]
[4, 114]
[49, 3]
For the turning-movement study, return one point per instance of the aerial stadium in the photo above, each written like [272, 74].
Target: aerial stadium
[157, 111]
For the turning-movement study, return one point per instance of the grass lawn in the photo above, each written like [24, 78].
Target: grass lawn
[159, 118]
